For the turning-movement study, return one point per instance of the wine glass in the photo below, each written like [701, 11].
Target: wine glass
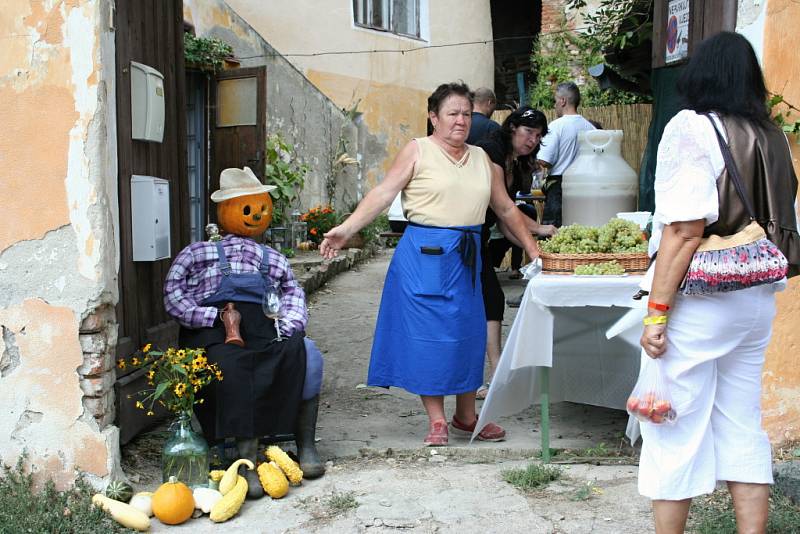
[271, 304]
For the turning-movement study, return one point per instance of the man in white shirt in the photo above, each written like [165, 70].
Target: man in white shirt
[560, 146]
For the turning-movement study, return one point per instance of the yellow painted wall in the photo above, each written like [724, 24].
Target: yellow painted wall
[781, 400]
[391, 88]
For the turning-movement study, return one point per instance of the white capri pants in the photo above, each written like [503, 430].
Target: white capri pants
[713, 363]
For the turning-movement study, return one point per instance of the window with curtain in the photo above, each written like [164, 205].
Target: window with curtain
[396, 16]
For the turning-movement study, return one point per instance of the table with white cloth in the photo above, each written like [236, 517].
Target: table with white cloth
[575, 338]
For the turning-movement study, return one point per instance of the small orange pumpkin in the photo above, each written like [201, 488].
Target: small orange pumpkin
[246, 216]
[173, 502]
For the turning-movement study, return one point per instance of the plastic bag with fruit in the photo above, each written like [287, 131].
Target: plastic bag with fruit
[650, 401]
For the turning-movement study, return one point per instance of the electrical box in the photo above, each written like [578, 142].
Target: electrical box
[150, 218]
[147, 103]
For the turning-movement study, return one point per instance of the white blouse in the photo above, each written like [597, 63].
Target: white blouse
[688, 166]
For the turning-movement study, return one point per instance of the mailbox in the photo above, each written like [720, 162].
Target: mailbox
[150, 218]
[147, 103]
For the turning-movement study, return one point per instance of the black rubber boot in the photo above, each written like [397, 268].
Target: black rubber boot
[248, 448]
[304, 435]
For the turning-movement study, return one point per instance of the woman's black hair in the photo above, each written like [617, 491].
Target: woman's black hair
[723, 75]
[448, 89]
[524, 116]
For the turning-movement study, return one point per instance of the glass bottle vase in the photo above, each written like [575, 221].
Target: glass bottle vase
[185, 454]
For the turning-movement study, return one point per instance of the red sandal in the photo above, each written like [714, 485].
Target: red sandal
[490, 432]
[437, 436]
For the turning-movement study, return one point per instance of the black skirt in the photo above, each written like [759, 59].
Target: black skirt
[494, 300]
[262, 382]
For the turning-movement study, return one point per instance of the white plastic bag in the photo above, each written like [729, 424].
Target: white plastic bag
[650, 401]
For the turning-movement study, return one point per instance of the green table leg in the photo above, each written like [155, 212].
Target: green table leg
[545, 402]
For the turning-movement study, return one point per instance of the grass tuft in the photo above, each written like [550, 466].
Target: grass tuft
[340, 503]
[713, 514]
[23, 509]
[532, 477]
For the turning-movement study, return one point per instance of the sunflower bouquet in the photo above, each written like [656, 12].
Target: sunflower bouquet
[175, 377]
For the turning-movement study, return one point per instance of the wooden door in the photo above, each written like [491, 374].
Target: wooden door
[148, 32]
[239, 122]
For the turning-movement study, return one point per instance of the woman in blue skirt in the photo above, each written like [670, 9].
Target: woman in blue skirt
[431, 332]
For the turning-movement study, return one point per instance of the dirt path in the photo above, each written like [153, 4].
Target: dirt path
[380, 479]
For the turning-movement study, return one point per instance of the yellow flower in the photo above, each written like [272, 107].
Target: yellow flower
[180, 389]
[149, 413]
[147, 347]
[140, 405]
[219, 375]
[151, 374]
[121, 363]
[135, 361]
[200, 401]
[181, 353]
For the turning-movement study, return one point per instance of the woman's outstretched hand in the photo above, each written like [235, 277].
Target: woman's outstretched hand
[334, 241]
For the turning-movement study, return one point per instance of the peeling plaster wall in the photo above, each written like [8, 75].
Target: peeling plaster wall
[390, 89]
[58, 257]
[295, 108]
[780, 43]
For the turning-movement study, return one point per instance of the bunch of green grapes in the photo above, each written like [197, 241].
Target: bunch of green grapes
[615, 236]
[572, 239]
[619, 235]
[609, 267]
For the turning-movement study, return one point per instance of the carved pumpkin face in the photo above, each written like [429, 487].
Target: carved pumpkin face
[246, 216]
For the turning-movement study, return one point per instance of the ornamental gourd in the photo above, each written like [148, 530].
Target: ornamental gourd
[246, 216]
[173, 502]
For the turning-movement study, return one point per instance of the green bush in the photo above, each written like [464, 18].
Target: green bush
[23, 509]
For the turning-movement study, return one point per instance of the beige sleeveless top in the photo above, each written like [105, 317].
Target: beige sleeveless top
[443, 192]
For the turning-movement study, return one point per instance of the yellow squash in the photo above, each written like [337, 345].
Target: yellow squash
[287, 465]
[231, 502]
[273, 480]
[229, 479]
[124, 514]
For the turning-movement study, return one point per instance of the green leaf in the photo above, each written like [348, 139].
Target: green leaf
[179, 368]
[160, 390]
[775, 100]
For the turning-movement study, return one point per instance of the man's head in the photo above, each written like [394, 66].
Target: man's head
[568, 98]
[485, 102]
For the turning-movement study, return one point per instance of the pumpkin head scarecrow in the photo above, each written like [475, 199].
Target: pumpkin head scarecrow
[262, 391]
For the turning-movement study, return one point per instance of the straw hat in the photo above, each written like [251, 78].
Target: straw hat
[237, 183]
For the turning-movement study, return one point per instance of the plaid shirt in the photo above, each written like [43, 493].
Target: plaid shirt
[195, 275]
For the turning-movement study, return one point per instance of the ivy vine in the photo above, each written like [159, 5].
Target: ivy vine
[206, 54]
[782, 117]
[565, 56]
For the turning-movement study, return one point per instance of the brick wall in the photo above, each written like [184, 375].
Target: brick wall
[552, 14]
[98, 338]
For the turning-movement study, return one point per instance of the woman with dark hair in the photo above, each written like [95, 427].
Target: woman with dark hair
[512, 150]
[711, 346]
[431, 333]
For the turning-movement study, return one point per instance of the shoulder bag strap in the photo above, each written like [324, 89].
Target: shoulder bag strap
[733, 170]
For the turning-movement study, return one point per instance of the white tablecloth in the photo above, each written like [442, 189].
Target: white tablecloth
[573, 314]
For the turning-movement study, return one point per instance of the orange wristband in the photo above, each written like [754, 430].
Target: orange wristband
[657, 306]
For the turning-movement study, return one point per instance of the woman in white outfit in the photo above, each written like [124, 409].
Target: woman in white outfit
[712, 346]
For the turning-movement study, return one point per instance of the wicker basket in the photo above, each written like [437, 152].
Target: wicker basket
[636, 262]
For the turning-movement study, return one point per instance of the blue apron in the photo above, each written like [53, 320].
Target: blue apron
[430, 338]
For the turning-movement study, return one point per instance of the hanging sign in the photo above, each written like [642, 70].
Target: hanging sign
[677, 30]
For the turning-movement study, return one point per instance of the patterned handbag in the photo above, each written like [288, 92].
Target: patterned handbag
[738, 261]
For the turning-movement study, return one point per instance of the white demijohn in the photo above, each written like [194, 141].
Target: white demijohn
[599, 183]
